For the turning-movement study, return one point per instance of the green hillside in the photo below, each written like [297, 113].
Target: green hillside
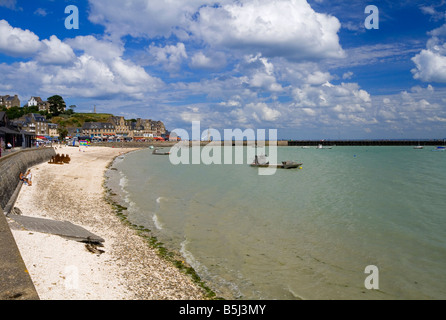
[78, 119]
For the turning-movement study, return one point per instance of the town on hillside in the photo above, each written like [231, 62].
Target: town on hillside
[40, 121]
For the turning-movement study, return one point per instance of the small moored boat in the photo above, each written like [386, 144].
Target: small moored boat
[158, 152]
[284, 165]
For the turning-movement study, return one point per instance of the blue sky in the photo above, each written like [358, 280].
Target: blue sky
[308, 68]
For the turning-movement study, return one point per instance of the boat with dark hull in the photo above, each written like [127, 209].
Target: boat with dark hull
[260, 162]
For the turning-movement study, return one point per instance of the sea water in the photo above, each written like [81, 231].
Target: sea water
[303, 233]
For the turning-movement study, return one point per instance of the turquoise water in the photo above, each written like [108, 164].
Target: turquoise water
[300, 234]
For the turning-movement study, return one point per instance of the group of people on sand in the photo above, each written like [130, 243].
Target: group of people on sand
[26, 178]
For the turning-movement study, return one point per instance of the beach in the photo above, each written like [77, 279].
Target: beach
[61, 269]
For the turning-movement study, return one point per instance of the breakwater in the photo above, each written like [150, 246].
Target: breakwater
[283, 143]
[366, 142]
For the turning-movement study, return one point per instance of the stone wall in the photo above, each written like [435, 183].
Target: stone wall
[13, 164]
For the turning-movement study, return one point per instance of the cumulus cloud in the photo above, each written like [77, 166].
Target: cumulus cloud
[102, 49]
[209, 61]
[54, 51]
[17, 42]
[142, 18]
[81, 67]
[170, 56]
[288, 28]
[431, 62]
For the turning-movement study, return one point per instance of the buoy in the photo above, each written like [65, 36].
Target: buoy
[300, 167]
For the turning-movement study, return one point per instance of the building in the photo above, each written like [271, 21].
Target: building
[121, 128]
[9, 133]
[34, 123]
[159, 128]
[38, 102]
[10, 101]
[99, 130]
[138, 129]
[53, 131]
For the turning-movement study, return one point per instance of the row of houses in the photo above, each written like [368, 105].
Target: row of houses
[38, 102]
[118, 127]
[38, 125]
[14, 101]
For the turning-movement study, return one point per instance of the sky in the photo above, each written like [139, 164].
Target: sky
[311, 69]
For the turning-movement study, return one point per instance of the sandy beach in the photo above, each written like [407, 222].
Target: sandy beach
[62, 269]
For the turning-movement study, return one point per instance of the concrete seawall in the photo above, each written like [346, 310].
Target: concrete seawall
[13, 164]
[15, 282]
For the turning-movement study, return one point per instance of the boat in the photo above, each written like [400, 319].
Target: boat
[418, 147]
[319, 146]
[291, 164]
[260, 162]
[440, 149]
[160, 153]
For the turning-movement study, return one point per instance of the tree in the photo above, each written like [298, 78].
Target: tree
[14, 113]
[57, 105]
[63, 132]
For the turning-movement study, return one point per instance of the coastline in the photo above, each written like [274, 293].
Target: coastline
[61, 269]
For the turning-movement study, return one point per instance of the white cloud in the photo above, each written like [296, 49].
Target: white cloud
[41, 12]
[17, 42]
[170, 56]
[318, 78]
[54, 51]
[287, 28]
[142, 18]
[10, 4]
[210, 61]
[347, 75]
[431, 62]
[105, 50]
[262, 112]
[81, 67]
[430, 66]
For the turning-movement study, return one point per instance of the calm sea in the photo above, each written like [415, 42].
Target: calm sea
[300, 234]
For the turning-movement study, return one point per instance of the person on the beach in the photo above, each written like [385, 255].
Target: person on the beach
[22, 177]
[29, 178]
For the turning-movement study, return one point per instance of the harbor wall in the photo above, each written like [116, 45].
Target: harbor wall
[366, 142]
[284, 143]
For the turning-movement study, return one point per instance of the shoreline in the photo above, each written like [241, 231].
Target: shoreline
[61, 269]
[168, 254]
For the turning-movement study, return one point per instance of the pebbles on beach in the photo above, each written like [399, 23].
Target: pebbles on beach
[128, 268]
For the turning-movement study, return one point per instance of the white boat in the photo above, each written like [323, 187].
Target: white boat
[418, 147]
[320, 146]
